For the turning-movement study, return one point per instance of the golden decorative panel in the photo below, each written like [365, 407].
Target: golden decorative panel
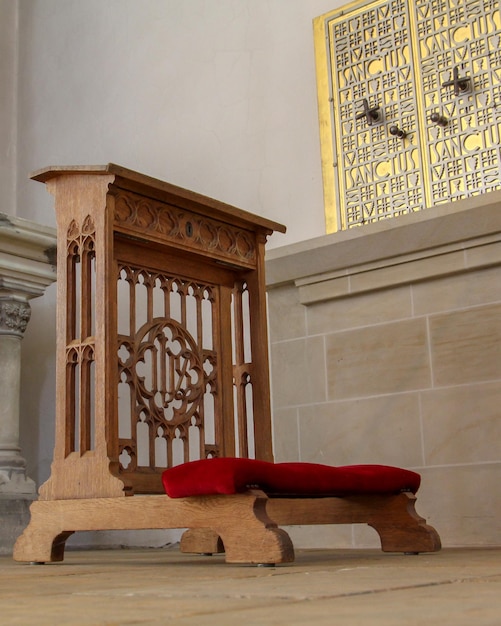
[409, 105]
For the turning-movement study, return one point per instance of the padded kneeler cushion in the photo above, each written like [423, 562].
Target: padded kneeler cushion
[231, 475]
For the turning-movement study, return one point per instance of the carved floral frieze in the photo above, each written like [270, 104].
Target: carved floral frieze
[176, 225]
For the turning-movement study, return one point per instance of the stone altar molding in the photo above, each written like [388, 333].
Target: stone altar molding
[441, 241]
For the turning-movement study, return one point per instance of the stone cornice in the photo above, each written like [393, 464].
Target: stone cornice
[27, 257]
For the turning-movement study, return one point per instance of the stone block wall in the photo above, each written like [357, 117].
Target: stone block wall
[385, 346]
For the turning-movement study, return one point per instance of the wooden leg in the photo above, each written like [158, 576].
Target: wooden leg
[241, 543]
[43, 540]
[251, 545]
[36, 546]
[201, 541]
[404, 530]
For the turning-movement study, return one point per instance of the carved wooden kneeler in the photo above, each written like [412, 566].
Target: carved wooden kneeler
[162, 358]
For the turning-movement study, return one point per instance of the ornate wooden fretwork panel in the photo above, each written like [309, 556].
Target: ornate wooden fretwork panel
[169, 383]
[416, 141]
[168, 359]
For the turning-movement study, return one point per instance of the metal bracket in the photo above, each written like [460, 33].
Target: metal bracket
[371, 114]
[461, 85]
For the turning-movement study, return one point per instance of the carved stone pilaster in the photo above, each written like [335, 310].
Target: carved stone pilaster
[26, 270]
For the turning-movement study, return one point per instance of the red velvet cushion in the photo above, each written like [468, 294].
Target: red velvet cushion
[230, 475]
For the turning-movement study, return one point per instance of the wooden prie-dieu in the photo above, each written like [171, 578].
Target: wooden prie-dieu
[162, 358]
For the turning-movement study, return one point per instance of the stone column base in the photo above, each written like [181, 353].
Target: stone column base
[13, 479]
[14, 517]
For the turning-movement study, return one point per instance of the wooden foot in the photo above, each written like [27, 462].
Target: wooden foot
[44, 539]
[41, 545]
[404, 530]
[201, 541]
[245, 545]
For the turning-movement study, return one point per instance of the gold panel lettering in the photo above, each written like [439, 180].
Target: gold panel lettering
[397, 55]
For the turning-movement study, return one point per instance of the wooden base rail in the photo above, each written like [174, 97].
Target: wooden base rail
[244, 526]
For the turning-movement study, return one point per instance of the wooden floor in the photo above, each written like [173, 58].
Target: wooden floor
[162, 586]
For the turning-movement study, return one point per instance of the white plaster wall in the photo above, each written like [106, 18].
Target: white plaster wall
[218, 96]
[214, 95]
[8, 96]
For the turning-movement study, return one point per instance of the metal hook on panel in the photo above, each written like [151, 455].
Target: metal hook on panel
[397, 132]
[438, 119]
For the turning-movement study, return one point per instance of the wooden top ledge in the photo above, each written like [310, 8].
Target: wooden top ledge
[154, 187]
